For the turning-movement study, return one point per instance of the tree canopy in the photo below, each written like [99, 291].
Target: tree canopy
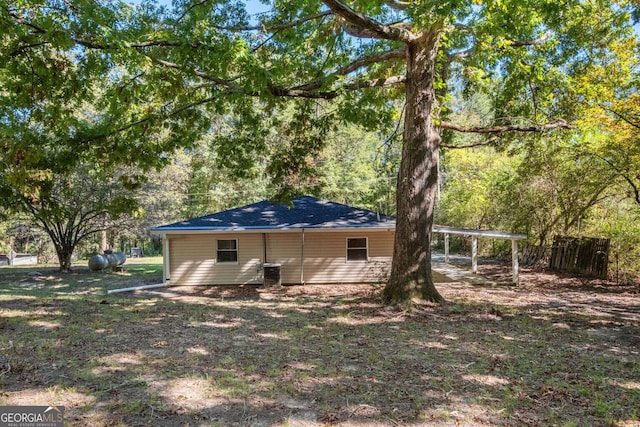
[163, 72]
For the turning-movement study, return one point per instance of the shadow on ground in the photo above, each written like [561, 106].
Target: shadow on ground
[313, 355]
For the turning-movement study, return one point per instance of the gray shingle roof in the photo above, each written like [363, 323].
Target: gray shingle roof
[307, 212]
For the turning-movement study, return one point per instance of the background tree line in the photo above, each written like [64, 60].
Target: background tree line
[536, 185]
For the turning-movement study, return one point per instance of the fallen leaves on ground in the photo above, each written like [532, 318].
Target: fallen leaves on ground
[552, 351]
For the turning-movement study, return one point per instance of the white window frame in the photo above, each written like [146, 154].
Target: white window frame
[236, 250]
[366, 248]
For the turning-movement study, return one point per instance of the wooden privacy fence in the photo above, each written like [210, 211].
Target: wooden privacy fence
[580, 255]
[533, 255]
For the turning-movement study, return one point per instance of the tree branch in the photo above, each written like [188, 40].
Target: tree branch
[634, 187]
[26, 23]
[145, 119]
[398, 5]
[624, 118]
[190, 8]
[352, 67]
[18, 50]
[506, 128]
[135, 45]
[357, 85]
[278, 27]
[359, 32]
[202, 75]
[531, 42]
[382, 82]
[474, 145]
[363, 26]
[464, 54]
[90, 44]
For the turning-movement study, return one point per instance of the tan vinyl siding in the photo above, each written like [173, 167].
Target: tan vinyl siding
[286, 249]
[193, 260]
[326, 257]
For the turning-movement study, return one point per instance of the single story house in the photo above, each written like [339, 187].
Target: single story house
[312, 241]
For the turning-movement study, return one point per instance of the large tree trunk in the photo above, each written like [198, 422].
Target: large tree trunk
[411, 277]
[64, 257]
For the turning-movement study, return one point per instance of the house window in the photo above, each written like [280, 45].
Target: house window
[227, 251]
[357, 249]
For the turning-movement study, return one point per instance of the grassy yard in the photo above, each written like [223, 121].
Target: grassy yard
[553, 351]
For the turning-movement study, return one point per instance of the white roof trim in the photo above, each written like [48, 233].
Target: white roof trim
[284, 229]
[177, 231]
[481, 233]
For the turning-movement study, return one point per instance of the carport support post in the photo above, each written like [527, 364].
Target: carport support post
[446, 247]
[474, 254]
[166, 274]
[514, 260]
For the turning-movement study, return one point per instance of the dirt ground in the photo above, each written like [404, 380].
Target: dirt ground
[554, 350]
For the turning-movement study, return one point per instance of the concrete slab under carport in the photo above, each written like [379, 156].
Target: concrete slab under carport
[448, 273]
